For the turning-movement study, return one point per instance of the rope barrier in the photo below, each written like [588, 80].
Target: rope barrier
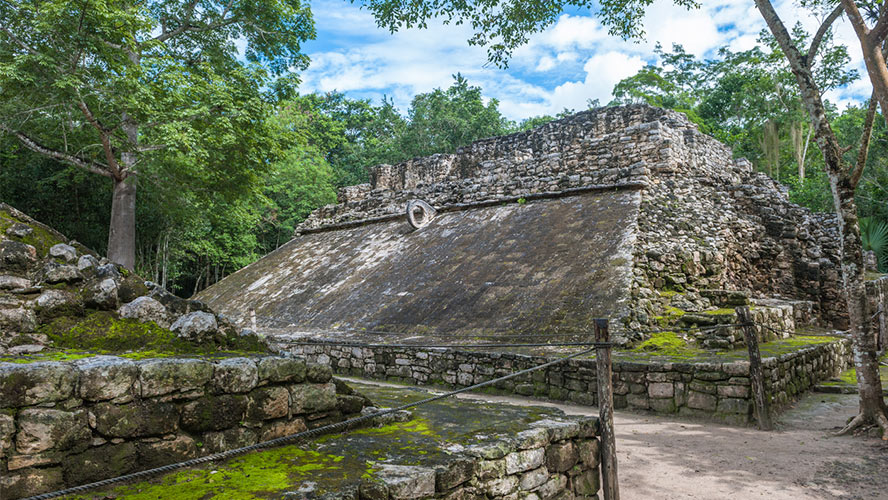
[442, 346]
[300, 436]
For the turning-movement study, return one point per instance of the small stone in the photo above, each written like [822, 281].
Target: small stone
[160, 453]
[54, 273]
[13, 282]
[282, 428]
[19, 320]
[197, 326]
[521, 461]
[145, 309]
[17, 256]
[267, 403]
[214, 413]
[103, 295]
[55, 303]
[135, 419]
[86, 262]
[19, 230]
[64, 252]
[533, 479]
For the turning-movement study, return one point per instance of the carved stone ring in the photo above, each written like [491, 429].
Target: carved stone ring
[420, 213]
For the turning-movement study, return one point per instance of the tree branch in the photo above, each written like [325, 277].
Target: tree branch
[821, 32]
[104, 136]
[89, 166]
[184, 23]
[880, 30]
[864, 141]
[18, 42]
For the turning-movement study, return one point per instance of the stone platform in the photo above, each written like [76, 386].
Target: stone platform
[448, 449]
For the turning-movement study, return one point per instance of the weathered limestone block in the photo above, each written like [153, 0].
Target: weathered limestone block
[163, 376]
[555, 485]
[734, 405]
[488, 469]
[102, 462]
[64, 252]
[408, 482]
[197, 326]
[589, 452]
[135, 419]
[41, 429]
[454, 474]
[235, 375]
[281, 428]
[30, 482]
[87, 262]
[157, 453]
[106, 377]
[502, 486]
[733, 391]
[309, 398]
[103, 295]
[214, 413]
[702, 401]
[7, 430]
[266, 403]
[586, 484]
[215, 442]
[661, 390]
[558, 430]
[54, 273]
[532, 438]
[319, 374]
[16, 256]
[35, 383]
[533, 479]
[18, 320]
[520, 461]
[19, 230]
[54, 303]
[276, 369]
[561, 456]
[12, 282]
[145, 309]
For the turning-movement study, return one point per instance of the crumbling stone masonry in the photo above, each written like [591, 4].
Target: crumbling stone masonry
[65, 424]
[714, 390]
[533, 227]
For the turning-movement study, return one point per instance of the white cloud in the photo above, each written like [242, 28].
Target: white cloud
[572, 61]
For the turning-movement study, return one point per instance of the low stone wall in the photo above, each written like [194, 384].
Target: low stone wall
[64, 424]
[718, 391]
[552, 459]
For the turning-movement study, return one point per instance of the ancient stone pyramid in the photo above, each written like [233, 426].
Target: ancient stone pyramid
[607, 213]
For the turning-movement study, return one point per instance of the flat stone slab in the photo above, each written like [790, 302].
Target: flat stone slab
[437, 444]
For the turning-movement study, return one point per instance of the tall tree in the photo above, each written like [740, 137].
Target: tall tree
[124, 89]
[843, 181]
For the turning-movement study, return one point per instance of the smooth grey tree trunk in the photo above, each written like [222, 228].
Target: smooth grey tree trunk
[122, 232]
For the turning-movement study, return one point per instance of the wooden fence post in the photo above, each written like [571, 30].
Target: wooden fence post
[756, 374]
[610, 486]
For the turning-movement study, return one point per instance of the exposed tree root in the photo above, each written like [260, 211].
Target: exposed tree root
[860, 420]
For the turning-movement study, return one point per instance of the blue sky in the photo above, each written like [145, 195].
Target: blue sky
[572, 61]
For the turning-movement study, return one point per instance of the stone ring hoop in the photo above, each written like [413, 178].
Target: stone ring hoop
[420, 213]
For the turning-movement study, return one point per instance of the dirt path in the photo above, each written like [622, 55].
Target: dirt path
[667, 458]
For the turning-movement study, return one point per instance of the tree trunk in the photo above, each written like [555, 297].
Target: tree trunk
[872, 406]
[122, 233]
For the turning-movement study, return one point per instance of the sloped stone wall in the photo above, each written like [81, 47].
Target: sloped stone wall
[706, 221]
[712, 390]
[64, 424]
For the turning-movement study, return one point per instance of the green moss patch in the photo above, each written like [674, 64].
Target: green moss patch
[40, 238]
[668, 344]
[848, 378]
[105, 332]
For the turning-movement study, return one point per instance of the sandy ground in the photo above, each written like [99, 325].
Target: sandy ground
[669, 458]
